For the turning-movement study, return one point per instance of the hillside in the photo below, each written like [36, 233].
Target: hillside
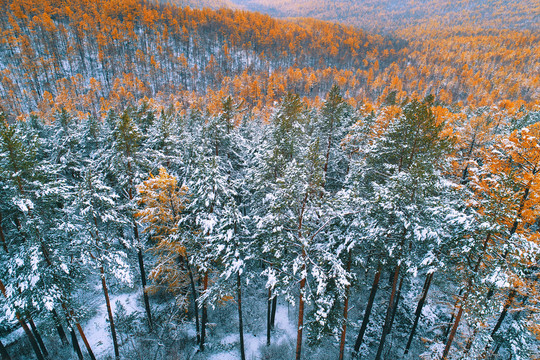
[138, 49]
[391, 15]
[185, 180]
[98, 50]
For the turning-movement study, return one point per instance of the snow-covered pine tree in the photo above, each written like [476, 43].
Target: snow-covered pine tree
[99, 235]
[335, 118]
[35, 270]
[124, 166]
[212, 186]
[398, 174]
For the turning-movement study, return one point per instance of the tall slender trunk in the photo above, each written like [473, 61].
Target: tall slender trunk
[268, 316]
[389, 310]
[85, 341]
[143, 283]
[27, 331]
[398, 295]
[460, 311]
[327, 157]
[301, 309]
[500, 320]
[465, 173]
[418, 312]
[109, 311]
[240, 321]
[452, 317]
[511, 296]
[3, 352]
[139, 246]
[345, 314]
[204, 313]
[454, 327]
[39, 340]
[75, 343]
[194, 295]
[273, 315]
[31, 337]
[303, 273]
[60, 328]
[367, 313]
[2, 237]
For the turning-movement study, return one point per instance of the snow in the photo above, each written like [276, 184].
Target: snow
[231, 355]
[96, 328]
[230, 339]
[284, 332]
[283, 323]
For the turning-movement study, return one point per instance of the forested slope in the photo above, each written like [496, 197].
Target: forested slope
[93, 56]
[220, 184]
[389, 15]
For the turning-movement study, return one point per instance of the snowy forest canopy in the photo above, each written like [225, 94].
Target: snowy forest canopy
[220, 184]
[315, 206]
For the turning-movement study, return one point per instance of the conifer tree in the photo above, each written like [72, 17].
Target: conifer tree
[163, 202]
[125, 166]
[100, 236]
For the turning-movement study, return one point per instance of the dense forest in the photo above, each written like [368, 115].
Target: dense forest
[183, 182]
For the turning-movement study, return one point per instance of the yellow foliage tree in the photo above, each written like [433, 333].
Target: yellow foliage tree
[163, 202]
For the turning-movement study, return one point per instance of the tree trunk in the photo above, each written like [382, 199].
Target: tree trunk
[143, 283]
[268, 316]
[140, 254]
[452, 317]
[460, 311]
[204, 314]
[31, 337]
[60, 328]
[2, 238]
[504, 312]
[273, 316]
[389, 310]
[367, 313]
[345, 314]
[75, 343]
[27, 331]
[240, 321]
[194, 294]
[85, 341]
[418, 312]
[109, 311]
[3, 352]
[38, 337]
[398, 295]
[454, 328]
[301, 310]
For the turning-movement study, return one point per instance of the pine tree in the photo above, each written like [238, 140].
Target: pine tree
[100, 236]
[397, 173]
[124, 165]
[35, 194]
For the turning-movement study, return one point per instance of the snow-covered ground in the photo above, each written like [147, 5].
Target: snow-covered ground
[97, 328]
[284, 332]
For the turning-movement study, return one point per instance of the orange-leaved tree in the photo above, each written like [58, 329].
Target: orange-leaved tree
[506, 195]
[163, 202]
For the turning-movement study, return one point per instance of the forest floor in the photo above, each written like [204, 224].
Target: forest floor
[176, 340]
